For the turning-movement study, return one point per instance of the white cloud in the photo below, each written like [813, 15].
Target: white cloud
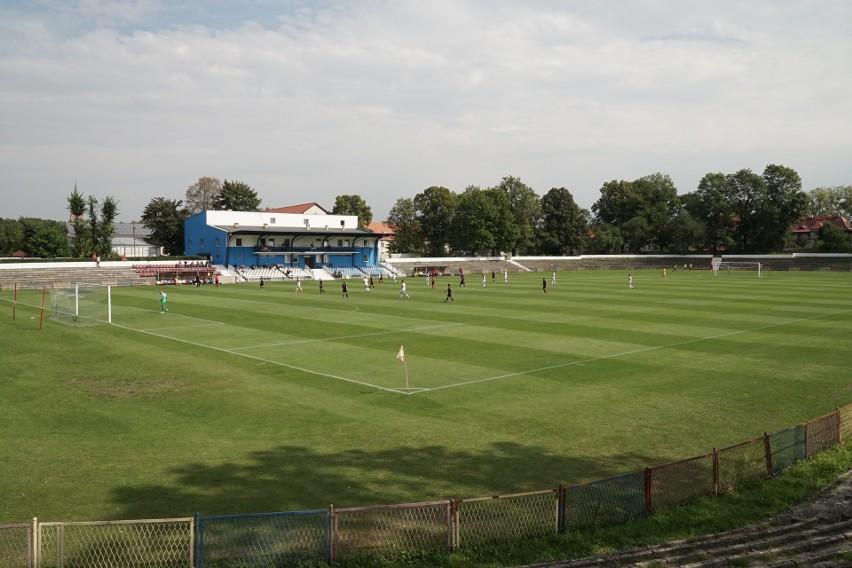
[306, 101]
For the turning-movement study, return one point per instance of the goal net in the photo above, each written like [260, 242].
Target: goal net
[82, 304]
[732, 267]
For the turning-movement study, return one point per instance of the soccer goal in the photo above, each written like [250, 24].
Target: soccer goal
[736, 267]
[82, 304]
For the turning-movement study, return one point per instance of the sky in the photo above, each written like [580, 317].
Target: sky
[307, 100]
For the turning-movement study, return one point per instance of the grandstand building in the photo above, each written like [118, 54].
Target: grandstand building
[312, 239]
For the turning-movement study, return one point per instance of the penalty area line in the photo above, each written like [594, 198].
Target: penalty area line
[263, 360]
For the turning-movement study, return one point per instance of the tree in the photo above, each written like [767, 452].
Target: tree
[164, 218]
[783, 205]
[831, 238]
[564, 227]
[473, 222]
[745, 190]
[402, 220]
[710, 205]
[525, 207]
[684, 232]
[435, 207]
[236, 196]
[77, 207]
[830, 201]
[353, 205]
[606, 239]
[11, 236]
[43, 238]
[106, 227]
[92, 235]
[641, 209]
[200, 196]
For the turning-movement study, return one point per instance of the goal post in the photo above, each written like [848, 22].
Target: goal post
[81, 304]
[733, 267]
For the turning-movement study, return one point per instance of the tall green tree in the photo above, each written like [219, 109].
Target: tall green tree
[43, 238]
[830, 201]
[435, 207]
[201, 195]
[564, 225]
[831, 238]
[525, 207]
[402, 220]
[164, 218]
[80, 245]
[93, 224]
[106, 226]
[605, 239]
[684, 233]
[710, 205]
[353, 205]
[784, 204]
[473, 222]
[236, 196]
[11, 236]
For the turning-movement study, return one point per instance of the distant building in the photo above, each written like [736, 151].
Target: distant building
[128, 240]
[385, 234]
[311, 238]
[806, 231]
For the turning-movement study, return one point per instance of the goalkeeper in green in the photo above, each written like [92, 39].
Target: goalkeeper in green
[163, 300]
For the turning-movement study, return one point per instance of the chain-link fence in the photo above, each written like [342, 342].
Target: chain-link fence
[268, 539]
[787, 447]
[604, 502]
[155, 543]
[678, 482]
[742, 463]
[389, 530]
[506, 517]
[286, 539]
[16, 546]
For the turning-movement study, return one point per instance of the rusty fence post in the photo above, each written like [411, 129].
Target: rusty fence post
[767, 450]
[332, 531]
[715, 473]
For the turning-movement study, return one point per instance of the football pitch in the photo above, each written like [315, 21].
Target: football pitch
[247, 400]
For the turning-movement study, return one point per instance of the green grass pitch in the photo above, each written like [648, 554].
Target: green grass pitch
[243, 400]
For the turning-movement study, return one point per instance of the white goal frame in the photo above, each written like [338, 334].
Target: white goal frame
[82, 304]
[729, 266]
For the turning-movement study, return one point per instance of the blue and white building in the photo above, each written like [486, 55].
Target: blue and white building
[267, 238]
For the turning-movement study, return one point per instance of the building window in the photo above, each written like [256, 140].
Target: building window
[366, 259]
[189, 244]
[286, 242]
[239, 241]
[272, 220]
[270, 242]
[201, 243]
[340, 242]
[217, 243]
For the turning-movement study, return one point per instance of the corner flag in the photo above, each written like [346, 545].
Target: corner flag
[401, 354]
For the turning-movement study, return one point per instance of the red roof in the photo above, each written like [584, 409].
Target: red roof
[380, 227]
[813, 224]
[297, 208]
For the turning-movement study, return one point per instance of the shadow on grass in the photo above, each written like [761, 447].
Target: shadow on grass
[296, 478]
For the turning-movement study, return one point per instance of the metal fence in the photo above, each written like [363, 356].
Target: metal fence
[297, 538]
[165, 543]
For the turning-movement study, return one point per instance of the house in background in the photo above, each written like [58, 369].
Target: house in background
[128, 240]
[806, 231]
[385, 234]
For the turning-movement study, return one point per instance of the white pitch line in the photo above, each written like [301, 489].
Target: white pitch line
[338, 338]
[293, 367]
[633, 352]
